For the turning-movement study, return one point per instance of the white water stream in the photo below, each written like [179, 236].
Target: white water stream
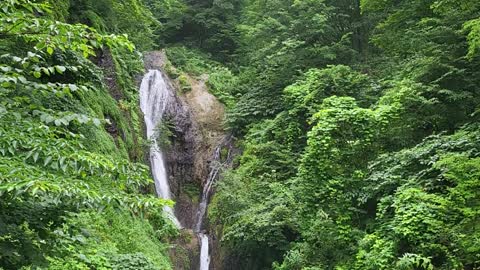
[204, 253]
[215, 168]
[154, 98]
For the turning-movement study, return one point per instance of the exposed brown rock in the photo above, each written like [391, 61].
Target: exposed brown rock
[197, 117]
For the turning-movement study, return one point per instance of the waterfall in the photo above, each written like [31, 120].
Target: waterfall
[155, 95]
[204, 254]
[215, 167]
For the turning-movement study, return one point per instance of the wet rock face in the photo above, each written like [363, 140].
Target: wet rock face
[180, 159]
[197, 118]
[196, 121]
[185, 251]
[180, 153]
[155, 60]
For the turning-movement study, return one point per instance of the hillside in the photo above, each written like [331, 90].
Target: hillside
[240, 134]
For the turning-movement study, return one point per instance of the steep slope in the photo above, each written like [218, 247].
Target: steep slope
[195, 141]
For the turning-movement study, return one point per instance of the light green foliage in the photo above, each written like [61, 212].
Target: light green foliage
[65, 148]
[104, 241]
[134, 261]
[184, 83]
[306, 95]
[473, 29]
[256, 199]
[268, 164]
[131, 18]
[327, 153]
[171, 71]
[18, 19]
[164, 132]
[191, 61]
[292, 32]
[221, 81]
[375, 253]
[424, 210]
[410, 33]
[353, 116]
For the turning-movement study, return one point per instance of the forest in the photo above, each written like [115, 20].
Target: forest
[356, 123]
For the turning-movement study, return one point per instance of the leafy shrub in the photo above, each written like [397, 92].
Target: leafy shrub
[221, 81]
[136, 261]
[191, 61]
[63, 158]
[184, 83]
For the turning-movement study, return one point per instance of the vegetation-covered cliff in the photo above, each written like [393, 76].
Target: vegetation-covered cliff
[72, 170]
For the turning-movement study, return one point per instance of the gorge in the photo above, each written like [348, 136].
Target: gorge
[196, 116]
[239, 134]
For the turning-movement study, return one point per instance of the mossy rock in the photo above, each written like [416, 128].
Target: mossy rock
[185, 85]
[171, 70]
[192, 190]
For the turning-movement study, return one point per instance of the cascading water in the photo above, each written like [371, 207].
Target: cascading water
[204, 253]
[215, 167]
[155, 95]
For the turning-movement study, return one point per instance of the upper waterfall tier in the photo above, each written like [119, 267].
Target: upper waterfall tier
[155, 95]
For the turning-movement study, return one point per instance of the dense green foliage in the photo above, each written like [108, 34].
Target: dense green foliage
[360, 143]
[131, 17]
[70, 154]
[357, 121]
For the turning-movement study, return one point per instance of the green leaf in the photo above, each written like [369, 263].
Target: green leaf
[96, 122]
[45, 70]
[73, 87]
[6, 84]
[47, 161]
[64, 167]
[60, 69]
[35, 157]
